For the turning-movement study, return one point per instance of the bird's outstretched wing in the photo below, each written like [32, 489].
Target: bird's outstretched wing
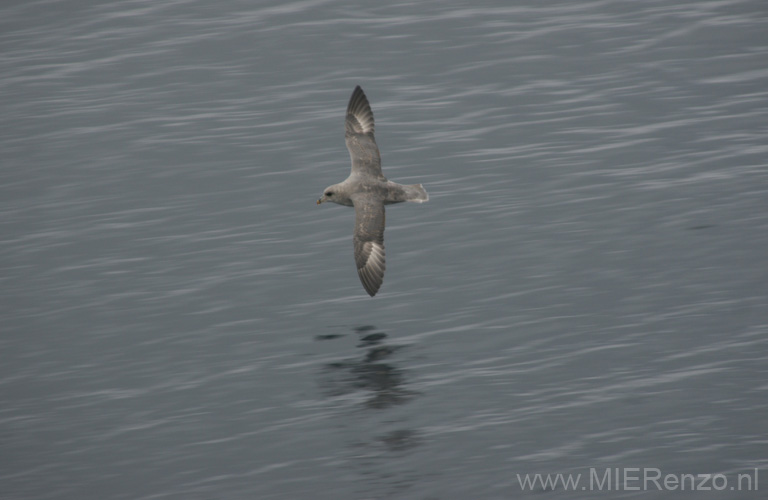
[369, 242]
[361, 144]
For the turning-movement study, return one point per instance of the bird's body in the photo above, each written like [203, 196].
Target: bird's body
[367, 190]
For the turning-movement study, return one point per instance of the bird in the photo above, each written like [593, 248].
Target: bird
[368, 191]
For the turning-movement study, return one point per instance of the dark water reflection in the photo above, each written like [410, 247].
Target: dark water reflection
[374, 373]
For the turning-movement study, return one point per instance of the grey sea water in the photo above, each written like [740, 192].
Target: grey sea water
[585, 290]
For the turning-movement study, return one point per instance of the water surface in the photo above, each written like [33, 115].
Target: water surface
[585, 288]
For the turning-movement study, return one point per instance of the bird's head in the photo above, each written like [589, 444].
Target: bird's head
[332, 193]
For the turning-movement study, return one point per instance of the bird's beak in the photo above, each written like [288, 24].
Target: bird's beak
[319, 201]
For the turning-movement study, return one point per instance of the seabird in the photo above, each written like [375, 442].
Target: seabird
[368, 191]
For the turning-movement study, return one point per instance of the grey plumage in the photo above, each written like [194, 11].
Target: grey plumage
[368, 191]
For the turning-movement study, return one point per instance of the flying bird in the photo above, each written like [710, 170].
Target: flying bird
[367, 190]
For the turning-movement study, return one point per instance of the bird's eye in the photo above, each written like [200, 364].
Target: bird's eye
[329, 193]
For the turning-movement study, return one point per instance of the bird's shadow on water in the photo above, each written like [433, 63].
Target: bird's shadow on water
[372, 382]
[373, 373]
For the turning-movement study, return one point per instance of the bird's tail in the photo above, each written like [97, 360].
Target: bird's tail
[416, 192]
